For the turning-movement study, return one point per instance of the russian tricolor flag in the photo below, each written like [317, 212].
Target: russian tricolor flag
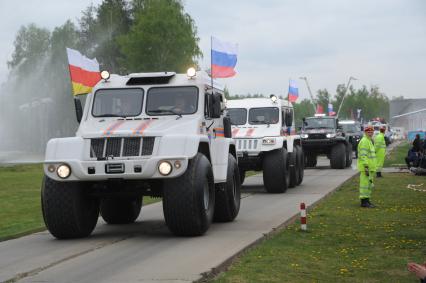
[293, 91]
[224, 59]
[84, 72]
[330, 110]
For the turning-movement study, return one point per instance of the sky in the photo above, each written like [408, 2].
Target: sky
[381, 43]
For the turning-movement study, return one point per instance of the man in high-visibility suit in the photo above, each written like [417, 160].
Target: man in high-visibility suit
[366, 166]
[380, 146]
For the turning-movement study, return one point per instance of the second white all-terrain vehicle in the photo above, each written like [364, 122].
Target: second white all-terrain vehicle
[265, 137]
[147, 134]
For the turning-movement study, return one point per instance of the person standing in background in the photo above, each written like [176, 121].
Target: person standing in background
[366, 166]
[380, 146]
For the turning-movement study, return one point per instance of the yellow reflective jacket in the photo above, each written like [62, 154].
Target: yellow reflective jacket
[380, 145]
[366, 155]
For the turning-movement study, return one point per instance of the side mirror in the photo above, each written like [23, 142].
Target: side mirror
[214, 105]
[78, 109]
[227, 127]
[289, 118]
[304, 122]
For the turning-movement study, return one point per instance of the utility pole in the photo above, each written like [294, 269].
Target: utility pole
[344, 94]
[310, 93]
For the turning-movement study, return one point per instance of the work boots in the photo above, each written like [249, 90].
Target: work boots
[379, 174]
[365, 202]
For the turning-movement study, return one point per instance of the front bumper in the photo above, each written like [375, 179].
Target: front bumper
[95, 170]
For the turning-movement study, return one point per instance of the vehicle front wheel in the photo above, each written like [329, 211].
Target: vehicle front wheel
[228, 195]
[301, 162]
[311, 160]
[293, 168]
[188, 200]
[68, 211]
[338, 156]
[349, 155]
[276, 177]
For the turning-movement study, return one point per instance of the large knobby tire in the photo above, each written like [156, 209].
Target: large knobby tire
[188, 200]
[120, 210]
[242, 173]
[311, 160]
[301, 164]
[276, 176]
[338, 156]
[228, 195]
[293, 168]
[68, 211]
[348, 155]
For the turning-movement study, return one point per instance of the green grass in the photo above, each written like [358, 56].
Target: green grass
[397, 155]
[20, 208]
[20, 211]
[345, 243]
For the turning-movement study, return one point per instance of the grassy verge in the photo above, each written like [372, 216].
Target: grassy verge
[20, 212]
[397, 155]
[345, 243]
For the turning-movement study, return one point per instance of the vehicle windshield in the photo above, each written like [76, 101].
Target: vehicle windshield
[350, 128]
[126, 102]
[264, 115]
[238, 116]
[172, 100]
[315, 123]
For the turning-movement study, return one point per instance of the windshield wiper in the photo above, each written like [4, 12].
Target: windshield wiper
[166, 111]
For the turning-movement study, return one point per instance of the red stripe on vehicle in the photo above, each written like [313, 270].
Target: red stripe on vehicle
[249, 132]
[110, 130]
[235, 132]
[142, 127]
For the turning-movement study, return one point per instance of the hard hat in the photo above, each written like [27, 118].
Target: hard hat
[369, 129]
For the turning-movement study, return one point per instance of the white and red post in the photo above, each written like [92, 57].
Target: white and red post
[303, 216]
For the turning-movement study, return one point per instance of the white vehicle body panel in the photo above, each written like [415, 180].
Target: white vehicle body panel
[249, 138]
[173, 138]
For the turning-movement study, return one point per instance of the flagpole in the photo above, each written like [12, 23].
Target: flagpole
[211, 61]
[288, 93]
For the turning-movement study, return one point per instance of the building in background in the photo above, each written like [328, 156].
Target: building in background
[409, 114]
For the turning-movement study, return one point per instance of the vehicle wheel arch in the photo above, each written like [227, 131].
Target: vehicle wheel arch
[204, 148]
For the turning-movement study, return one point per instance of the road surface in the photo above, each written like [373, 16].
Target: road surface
[146, 251]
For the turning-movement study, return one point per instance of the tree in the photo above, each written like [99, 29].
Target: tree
[30, 45]
[323, 98]
[100, 27]
[163, 37]
[302, 109]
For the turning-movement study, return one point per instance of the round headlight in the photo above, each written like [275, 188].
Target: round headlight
[63, 171]
[105, 75]
[165, 168]
[191, 72]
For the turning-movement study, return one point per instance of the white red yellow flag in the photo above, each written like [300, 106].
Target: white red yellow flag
[84, 72]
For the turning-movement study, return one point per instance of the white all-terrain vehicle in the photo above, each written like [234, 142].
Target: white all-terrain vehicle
[148, 134]
[265, 137]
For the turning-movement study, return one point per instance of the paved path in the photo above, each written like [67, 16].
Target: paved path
[147, 252]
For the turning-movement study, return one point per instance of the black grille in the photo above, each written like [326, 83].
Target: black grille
[131, 146]
[317, 136]
[97, 147]
[113, 147]
[148, 145]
